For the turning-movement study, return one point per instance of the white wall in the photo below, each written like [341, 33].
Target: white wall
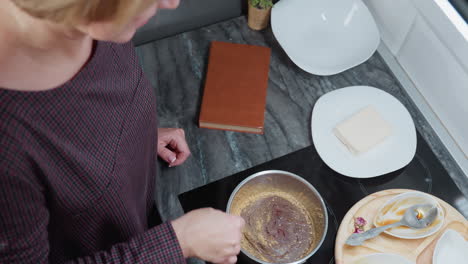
[430, 42]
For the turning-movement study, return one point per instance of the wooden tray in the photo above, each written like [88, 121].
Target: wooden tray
[417, 250]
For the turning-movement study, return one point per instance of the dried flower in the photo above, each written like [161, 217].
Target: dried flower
[359, 224]
[359, 221]
[357, 230]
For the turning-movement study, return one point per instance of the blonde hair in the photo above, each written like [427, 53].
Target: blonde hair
[74, 12]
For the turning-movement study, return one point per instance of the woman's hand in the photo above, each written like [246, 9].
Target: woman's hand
[172, 146]
[209, 234]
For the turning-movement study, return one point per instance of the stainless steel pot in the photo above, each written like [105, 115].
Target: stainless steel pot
[285, 184]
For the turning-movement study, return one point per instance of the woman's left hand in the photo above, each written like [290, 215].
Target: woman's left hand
[172, 146]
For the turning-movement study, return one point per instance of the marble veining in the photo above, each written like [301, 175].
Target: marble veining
[176, 67]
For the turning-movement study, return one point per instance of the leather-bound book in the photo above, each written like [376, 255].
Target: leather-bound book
[235, 91]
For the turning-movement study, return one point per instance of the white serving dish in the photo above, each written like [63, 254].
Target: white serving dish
[394, 209]
[394, 153]
[382, 258]
[450, 248]
[325, 37]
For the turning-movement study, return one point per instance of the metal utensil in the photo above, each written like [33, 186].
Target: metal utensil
[410, 219]
[274, 182]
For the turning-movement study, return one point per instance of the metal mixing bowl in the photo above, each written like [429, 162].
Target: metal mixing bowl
[287, 184]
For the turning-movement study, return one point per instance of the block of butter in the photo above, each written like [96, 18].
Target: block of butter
[362, 131]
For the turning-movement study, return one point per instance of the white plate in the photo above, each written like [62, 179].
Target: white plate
[394, 209]
[394, 153]
[325, 37]
[382, 258]
[451, 248]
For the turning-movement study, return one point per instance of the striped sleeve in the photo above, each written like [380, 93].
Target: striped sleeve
[157, 245]
[24, 220]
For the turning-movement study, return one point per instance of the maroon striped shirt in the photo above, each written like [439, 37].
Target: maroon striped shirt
[77, 168]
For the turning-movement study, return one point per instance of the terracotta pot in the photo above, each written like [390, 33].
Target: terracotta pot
[258, 18]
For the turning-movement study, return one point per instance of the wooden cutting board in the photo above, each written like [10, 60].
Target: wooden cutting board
[417, 250]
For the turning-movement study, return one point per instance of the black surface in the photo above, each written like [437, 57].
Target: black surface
[190, 15]
[462, 7]
[340, 193]
[154, 218]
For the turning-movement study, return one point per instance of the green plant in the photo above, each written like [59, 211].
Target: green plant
[262, 4]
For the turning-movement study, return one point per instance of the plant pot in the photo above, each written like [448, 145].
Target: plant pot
[258, 18]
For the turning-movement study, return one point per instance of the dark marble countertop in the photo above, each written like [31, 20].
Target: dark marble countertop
[176, 67]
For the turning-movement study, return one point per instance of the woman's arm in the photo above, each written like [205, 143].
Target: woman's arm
[24, 220]
[157, 245]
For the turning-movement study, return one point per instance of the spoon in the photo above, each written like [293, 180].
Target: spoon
[410, 219]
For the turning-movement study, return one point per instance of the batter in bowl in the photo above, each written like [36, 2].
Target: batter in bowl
[277, 230]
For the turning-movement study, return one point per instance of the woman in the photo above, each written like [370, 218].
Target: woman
[78, 142]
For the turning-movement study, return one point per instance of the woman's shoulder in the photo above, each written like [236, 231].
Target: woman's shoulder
[124, 52]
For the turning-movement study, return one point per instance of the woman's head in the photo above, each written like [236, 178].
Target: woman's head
[109, 20]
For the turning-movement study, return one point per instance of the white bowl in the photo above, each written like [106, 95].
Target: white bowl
[382, 258]
[451, 248]
[325, 37]
[393, 210]
[392, 154]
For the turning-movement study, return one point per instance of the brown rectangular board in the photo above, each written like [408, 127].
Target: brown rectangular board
[234, 96]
